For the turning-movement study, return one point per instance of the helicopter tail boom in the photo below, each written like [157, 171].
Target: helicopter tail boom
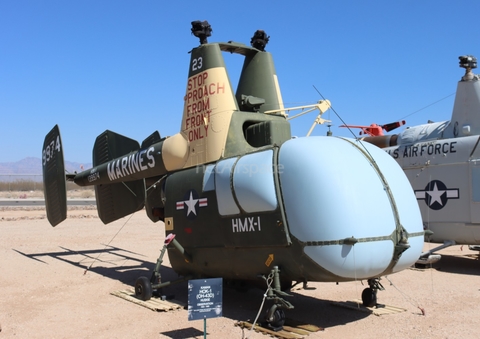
[120, 167]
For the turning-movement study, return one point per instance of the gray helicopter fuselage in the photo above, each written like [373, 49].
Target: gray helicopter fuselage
[442, 163]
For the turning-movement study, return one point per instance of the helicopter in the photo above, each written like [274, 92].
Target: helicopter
[241, 198]
[375, 130]
[442, 163]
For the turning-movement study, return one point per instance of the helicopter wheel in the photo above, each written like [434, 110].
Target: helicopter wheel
[278, 320]
[369, 297]
[143, 288]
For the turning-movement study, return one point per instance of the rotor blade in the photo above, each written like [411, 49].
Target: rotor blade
[353, 126]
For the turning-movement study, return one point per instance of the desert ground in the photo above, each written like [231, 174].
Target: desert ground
[57, 283]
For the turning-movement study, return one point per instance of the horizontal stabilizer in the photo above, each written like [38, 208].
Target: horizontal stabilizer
[115, 201]
[54, 184]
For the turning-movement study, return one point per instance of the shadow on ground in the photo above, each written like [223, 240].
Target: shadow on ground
[126, 266]
[111, 262]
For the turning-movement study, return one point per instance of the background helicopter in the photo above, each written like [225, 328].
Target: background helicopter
[242, 199]
[375, 130]
[442, 162]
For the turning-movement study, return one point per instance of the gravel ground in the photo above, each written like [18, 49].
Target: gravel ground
[57, 282]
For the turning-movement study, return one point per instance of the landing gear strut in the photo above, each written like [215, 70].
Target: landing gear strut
[145, 288]
[369, 295]
[275, 316]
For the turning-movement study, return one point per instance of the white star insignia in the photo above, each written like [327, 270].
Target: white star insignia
[191, 205]
[436, 195]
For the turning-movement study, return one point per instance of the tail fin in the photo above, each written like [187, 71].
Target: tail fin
[209, 105]
[259, 79]
[54, 183]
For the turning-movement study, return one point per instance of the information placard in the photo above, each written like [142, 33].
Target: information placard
[204, 298]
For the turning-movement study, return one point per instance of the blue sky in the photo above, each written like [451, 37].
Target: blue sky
[122, 65]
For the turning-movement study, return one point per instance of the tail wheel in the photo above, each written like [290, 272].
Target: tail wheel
[143, 288]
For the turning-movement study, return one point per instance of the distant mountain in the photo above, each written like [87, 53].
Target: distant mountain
[33, 167]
